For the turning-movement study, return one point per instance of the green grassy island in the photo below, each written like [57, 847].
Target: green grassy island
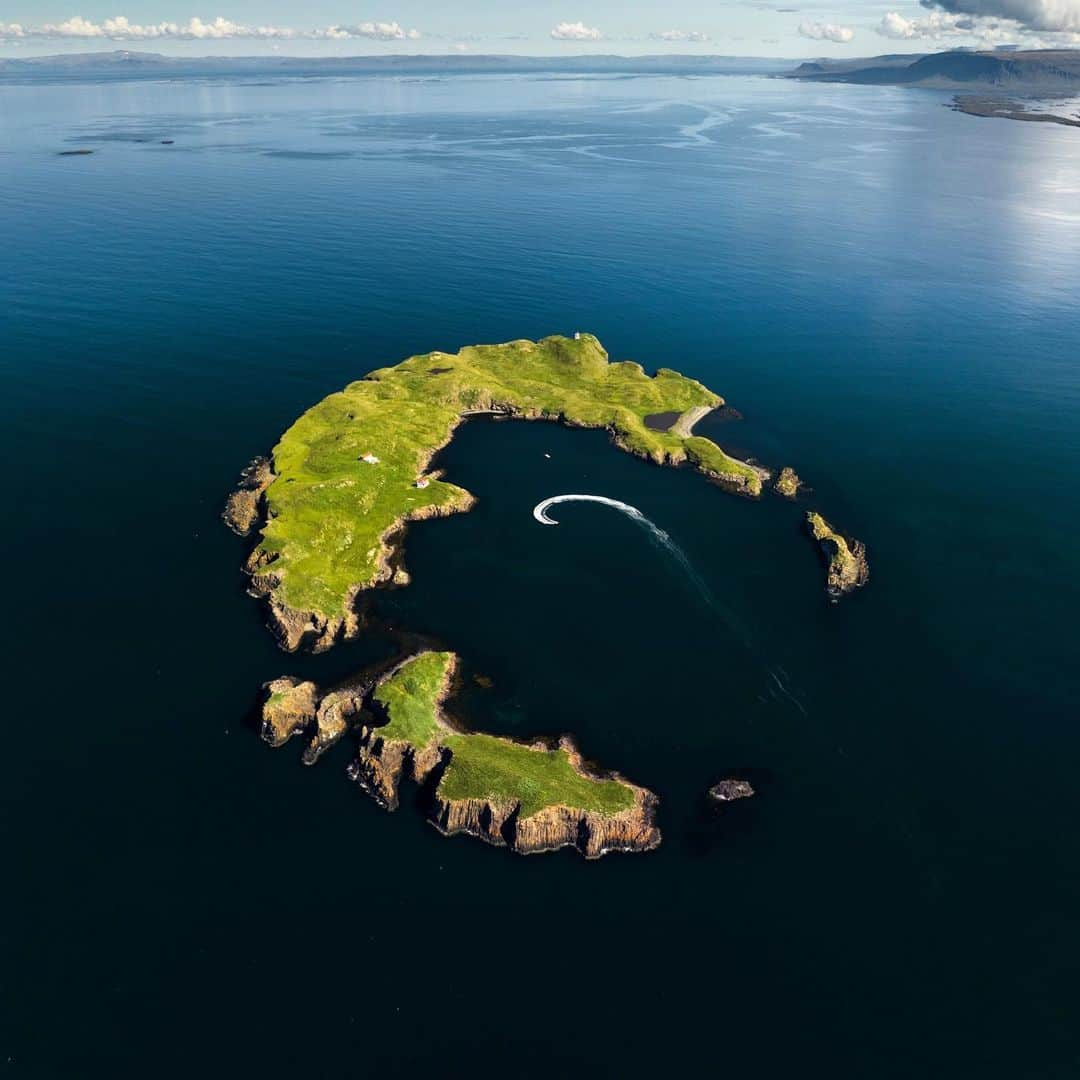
[530, 797]
[350, 472]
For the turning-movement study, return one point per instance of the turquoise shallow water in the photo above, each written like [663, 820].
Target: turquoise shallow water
[884, 288]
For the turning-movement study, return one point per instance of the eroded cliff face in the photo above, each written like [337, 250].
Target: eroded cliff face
[381, 764]
[498, 822]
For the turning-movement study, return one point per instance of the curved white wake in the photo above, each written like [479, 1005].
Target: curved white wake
[540, 509]
[660, 537]
[632, 512]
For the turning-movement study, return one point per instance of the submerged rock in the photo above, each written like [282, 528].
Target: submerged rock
[730, 790]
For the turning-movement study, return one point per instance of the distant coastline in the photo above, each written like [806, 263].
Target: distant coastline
[121, 64]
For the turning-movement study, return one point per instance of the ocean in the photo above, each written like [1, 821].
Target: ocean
[885, 291]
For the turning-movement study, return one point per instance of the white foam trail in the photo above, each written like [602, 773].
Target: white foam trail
[662, 538]
[632, 512]
[540, 509]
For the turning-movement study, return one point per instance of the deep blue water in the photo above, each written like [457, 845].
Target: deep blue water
[884, 288]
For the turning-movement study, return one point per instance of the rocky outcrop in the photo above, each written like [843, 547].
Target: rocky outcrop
[787, 483]
[381, 764]
[730, 790]
[244, 507]
[289, 709]
[292, 707]
[848, 568]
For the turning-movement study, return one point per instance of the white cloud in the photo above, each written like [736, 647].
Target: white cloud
[948, 26]
[120, 28]
[1054, 16]
[679, 35]
[576, 31]
[379, 31]
[817, 31]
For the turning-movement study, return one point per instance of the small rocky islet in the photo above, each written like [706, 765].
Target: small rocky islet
[330, 504]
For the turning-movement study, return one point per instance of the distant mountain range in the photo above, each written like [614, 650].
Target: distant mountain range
[1013, 70]
[122, 64]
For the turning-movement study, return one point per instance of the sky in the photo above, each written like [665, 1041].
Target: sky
[564, 27]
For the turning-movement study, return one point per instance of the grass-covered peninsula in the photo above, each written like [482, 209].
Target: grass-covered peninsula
[530, 797]
[351, 470]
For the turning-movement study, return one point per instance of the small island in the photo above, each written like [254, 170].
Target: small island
[848, 568]
[528, 797]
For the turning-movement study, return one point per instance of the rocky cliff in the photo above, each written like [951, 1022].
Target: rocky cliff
[421, 745]
[243, 508]
[848, 568]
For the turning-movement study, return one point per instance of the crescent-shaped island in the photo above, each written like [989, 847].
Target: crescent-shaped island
[330, 506]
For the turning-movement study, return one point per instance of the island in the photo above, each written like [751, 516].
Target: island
[531, 797]
[330, 505]
[787, 483]
[848, 568]
[352, 471]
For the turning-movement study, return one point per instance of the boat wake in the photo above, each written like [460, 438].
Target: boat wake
[657, 534]
[777, 685]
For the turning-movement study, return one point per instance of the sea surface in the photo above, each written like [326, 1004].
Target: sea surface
[883, 288]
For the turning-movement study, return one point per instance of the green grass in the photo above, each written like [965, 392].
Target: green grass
[411, 698]
[487, 767]
[329, 513]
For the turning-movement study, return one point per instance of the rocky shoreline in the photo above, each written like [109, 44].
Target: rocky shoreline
[292, 707]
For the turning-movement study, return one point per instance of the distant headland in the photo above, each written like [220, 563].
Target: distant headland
[330, 506]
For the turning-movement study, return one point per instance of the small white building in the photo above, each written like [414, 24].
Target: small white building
[423, 482]
[371, 459]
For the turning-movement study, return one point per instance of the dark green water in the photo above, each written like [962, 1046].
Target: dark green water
[885, 290]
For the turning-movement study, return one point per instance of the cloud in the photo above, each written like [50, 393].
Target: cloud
[121, 28]
[984, 30]
[817, 31]
[1053, 16]
[933, 27]
[679, 35]
[576, 31]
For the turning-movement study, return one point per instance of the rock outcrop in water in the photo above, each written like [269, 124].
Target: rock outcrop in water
[787, 483]
[243, 508]
[848, 568]
[730, 790]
